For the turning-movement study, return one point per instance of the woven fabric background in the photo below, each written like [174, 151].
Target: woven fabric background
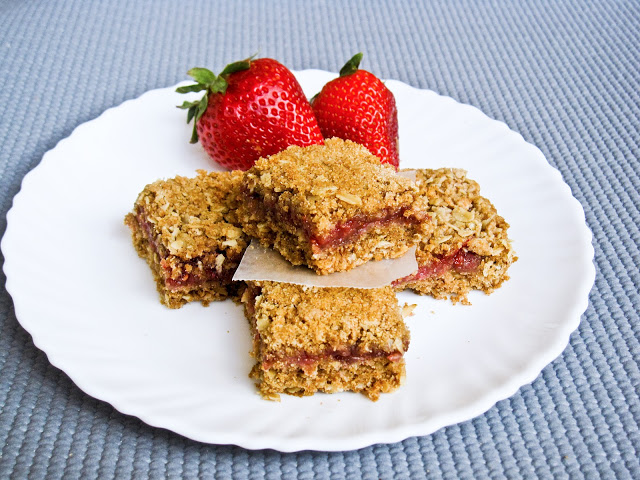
[566, 75]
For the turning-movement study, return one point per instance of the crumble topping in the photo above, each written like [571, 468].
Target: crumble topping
[469, 248]
[182, 228]
[189, 216]
[329, 184]
[313, 339]
[293, 318]
[331, 207]
[461, 216]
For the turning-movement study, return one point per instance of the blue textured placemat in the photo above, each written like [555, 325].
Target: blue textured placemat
[564, 74]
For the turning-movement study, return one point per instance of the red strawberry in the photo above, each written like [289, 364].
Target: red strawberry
[254, 108]
[357, 106]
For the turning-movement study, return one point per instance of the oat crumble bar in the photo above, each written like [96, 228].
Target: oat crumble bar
[331, 207]
[181, 228]
[316, 339]
[469, 248]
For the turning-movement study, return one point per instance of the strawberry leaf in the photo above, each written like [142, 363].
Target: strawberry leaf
[196, 110]
[186, 105]
[194, 134]
[352, 65]
[191, 113]
[202, 75]
[201, 107]
[236, 67]
[219, 85]
[196, 87]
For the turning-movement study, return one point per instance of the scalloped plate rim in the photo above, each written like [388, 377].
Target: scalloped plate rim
[425, 427]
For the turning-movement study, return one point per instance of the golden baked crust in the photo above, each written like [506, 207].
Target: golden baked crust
[370, 378]
[189, 213]
[309, 339]
[297, 199]
[330, 183]
[462, 220]
[180, 227]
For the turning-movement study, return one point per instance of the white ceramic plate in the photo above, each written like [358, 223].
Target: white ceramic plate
[90, 303]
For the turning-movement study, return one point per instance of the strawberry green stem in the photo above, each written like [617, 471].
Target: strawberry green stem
[352, 65]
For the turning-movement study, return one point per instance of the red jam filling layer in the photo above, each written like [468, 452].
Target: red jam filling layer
[306, 361]
[191, 279]
[462, 261]
[345, 232]
[203, 275]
